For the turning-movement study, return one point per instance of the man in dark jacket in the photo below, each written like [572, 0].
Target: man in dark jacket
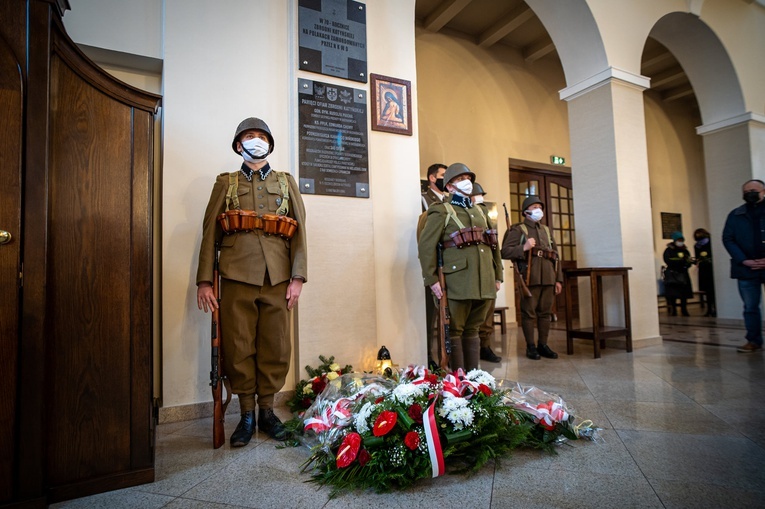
[744, 238]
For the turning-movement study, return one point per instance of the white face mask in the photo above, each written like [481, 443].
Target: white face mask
[478, 199]
[254, 150]
[536, 215]
[465, 187]
[679, 243]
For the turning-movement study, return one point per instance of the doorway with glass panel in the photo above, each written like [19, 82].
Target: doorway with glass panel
[553, 186]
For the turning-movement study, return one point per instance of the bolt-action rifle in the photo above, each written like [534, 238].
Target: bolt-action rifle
[523, 288]
[444, 318]
[217, 379]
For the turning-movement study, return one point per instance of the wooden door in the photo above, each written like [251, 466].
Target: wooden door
[11, 104]
[556, 192]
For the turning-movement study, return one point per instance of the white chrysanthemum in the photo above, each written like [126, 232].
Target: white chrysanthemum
[460, 417]
[361, 420]
[406, 393]
[481, 377]
[451, 403]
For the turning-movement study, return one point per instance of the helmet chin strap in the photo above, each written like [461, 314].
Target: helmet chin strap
[258, 159]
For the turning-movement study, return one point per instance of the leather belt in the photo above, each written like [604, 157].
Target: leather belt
[544, 253]
[450, 243]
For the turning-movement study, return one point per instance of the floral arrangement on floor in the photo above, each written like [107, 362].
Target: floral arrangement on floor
[367, 431]
[307, 390]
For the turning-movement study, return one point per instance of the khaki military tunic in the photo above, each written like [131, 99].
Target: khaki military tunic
[543, 271]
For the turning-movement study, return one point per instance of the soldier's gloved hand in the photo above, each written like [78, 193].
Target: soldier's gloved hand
[529, 244]
[436, 289]
[205, 298]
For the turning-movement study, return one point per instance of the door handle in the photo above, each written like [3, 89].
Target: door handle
[5, 237]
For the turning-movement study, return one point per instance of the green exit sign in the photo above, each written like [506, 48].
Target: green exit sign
[557, 160]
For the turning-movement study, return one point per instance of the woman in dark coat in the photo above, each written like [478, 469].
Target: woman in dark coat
[677, 282]
[703, 252]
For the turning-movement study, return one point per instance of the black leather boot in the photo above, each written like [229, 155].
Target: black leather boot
[488, 355]
[244, 430]
[531, 352]
[269, 423]
[546, 351]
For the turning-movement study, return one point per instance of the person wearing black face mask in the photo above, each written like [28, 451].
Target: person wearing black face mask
[434, 194]
[744, 239]
[703, 252]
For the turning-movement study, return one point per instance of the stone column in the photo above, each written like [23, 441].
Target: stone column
[612, 195]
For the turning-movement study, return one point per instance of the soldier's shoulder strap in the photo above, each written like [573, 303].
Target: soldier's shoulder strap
[452, 214]
[232, 198]
[284, 207]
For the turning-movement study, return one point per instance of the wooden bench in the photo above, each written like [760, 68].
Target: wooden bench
[502, 312]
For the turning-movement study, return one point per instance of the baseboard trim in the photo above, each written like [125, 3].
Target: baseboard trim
[205, 409]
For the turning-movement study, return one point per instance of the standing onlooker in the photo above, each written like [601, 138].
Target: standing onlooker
[677, 282]
[743, 238]
[703, 251]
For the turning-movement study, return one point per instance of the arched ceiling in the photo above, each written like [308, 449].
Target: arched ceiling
[512, 23]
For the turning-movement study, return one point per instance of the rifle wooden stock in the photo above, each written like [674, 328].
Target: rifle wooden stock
[216, 372]
[443, 314]
[523, 287]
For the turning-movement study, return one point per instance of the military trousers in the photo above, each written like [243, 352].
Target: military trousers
[537, 310]
[466, 319]
[256, 340]
[486, 330]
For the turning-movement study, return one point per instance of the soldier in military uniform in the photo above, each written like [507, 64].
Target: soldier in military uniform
[471, 263]
[486, 331]
[434, 194]
[262, 276]
[545, 277]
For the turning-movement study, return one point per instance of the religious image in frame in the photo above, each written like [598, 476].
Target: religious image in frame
[392, 104]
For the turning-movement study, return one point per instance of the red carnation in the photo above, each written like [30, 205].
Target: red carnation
[431, 379]
[306, 402]
[415, 412]
[348, 450]
[485, 389]
[384, 423]
[364, 457]
[412, 440]
[318, 385]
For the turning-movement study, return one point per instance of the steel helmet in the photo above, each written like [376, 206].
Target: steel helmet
[477, 190]
[253, 123]
[455, 170]
[531, 200]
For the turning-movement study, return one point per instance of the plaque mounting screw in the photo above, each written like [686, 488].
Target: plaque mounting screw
[361, 7]
[361, 74]
[363, 189]
[305, 85]
[361, 95]
[305, 62]
[306, 185]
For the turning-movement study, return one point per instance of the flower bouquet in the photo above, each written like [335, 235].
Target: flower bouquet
[307, 390]
[366, 431]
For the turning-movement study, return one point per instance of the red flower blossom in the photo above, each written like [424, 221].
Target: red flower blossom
[548, 427]
[412, 440]
[485, 389]
[306, 402]
[431, 379]
[349, 449]
[415, 412]
[318, 384]
[364, 457]
[384, 423]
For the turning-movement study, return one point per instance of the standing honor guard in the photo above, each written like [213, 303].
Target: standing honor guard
[531, 247]
[472, 266]
[257, 215]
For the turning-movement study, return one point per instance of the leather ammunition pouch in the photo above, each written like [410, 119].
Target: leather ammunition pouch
[468, 236]
[491, 238]
[240, 221]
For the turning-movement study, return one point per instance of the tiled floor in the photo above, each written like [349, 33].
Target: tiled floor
[683, 426]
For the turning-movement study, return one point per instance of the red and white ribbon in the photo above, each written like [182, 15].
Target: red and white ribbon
[433, 440]
[330, 416]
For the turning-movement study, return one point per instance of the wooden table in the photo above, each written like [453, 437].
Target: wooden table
[599, 331]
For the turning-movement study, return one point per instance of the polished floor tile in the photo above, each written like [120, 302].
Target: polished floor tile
[682, 427]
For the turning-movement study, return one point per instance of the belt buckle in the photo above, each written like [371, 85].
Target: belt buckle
[540, 254]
